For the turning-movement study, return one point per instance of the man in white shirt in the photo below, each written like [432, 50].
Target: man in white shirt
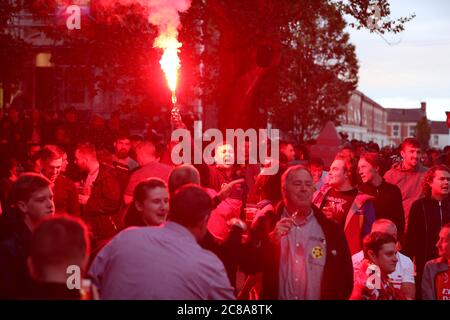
[403, 276]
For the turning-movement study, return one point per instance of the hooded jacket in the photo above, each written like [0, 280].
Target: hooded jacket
[15, 238]
[426, 219]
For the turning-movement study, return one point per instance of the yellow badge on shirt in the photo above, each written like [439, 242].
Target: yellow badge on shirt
[317, 252]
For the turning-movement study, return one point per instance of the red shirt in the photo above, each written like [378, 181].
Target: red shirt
[442, 285]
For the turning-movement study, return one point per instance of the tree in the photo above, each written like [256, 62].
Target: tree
[14, 52]
[317, 74]
[290, 59]
[289, 62]
[423, 130]
[114, 47]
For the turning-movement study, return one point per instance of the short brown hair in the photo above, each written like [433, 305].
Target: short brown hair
[26, 185]
[412, 142]
[374, 241]
[181, 176]
[87, 148]
[60, 240]
[373, 158]
[350, 166]
[147, 148]
[50, 152]
[189, 205]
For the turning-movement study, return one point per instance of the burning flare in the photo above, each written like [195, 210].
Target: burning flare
[165, 15]
[170, 62]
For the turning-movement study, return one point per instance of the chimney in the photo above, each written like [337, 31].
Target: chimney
[423, 107]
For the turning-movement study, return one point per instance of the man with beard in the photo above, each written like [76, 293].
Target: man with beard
[407, 174]
[121, 158]
[99, 193]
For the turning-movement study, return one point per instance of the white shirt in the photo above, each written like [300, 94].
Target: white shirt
[404, 270]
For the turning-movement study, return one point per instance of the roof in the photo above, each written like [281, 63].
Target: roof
[404, 115]
[369, 100]
[439, 127]
[327, 144]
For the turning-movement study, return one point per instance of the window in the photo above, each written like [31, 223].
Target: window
[396, 130]
[436, 140]
[412, 131]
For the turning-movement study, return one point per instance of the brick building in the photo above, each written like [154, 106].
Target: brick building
[440, 135]
[401, 123]
[365, 120]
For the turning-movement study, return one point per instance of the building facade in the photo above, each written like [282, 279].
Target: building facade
[49, 85]
[401, 123]
[364, 120]
[440, 134]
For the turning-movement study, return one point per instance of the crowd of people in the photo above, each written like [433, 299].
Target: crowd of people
[373, 225]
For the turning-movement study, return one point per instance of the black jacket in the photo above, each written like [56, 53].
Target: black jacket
[15, 237]
[261, 254]
[426, 218]
[387, 203]
[50, 291]
[101, 210]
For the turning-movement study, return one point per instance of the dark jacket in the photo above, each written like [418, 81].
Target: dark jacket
[261, 254]
[15, 237]
[432, 269]
[426, 218]
[51, 291]
[227, 251]
[387, 203]
[101, 210]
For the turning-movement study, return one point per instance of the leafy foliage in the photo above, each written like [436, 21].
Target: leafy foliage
[423, 130]
[248, 62]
